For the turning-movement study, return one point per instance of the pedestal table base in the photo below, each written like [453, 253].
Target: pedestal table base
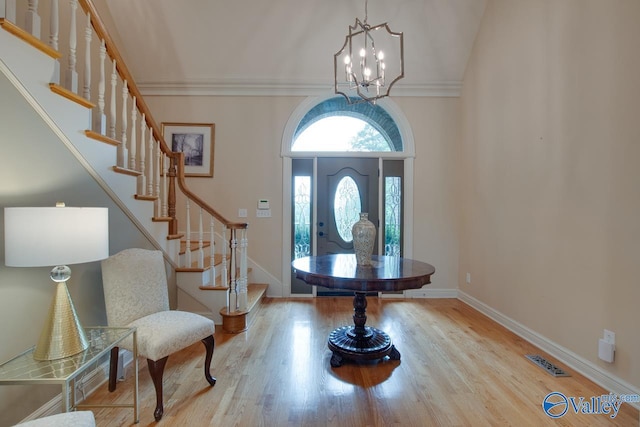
[359, 342]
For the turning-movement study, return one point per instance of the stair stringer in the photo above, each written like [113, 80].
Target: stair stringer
[30, 71]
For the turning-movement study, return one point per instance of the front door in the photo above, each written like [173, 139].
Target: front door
[346, 187]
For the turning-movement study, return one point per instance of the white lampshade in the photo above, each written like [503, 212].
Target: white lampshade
[50, 236]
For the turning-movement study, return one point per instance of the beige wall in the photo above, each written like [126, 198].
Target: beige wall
[549, 177]
[435, 126]
[248, 167]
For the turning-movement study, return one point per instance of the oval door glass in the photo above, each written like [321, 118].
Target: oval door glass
[346, 207]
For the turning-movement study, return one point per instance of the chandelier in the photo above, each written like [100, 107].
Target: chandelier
[365, 69]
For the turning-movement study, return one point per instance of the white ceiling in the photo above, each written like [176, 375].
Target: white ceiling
[284, 45]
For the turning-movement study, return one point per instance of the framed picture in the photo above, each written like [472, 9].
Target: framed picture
[196, 141]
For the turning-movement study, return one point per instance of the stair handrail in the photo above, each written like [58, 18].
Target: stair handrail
[192, 196]
[176, 158]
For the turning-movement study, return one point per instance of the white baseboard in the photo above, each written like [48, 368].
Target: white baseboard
[431, 293]
[412, 293]
[579, 364]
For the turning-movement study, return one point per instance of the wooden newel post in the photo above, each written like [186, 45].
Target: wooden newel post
[171, 196]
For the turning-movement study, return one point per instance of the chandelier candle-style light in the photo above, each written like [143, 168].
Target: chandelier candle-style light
[365, 69]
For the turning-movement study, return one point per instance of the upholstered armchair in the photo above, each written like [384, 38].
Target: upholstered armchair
[135, 294]
[66, 419]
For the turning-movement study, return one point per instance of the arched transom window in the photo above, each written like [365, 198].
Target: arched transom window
[335, 125]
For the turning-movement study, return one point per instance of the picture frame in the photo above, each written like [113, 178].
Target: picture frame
[196, 141]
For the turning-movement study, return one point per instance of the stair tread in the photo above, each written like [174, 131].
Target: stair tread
[217, 259]
[71, 96]
[255, 292]
[126, 171]
[194, 245]
[214, 288]
[102, 138]
[28, 38]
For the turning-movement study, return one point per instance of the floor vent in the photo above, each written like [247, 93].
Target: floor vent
[547, 366]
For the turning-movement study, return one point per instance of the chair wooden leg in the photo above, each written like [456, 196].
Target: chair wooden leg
[113, 368]
[156, 369]
[208, 344]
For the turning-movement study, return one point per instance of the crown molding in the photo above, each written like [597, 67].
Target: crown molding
[263, 88]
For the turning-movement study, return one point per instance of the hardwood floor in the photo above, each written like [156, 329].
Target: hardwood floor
[458, 368]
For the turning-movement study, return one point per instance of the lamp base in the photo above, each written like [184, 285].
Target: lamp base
[62, 336]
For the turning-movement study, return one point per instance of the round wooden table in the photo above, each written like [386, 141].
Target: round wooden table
[340, 271]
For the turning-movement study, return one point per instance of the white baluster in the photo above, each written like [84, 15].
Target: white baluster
[187, 250]
[99, 118]
[233, 273]
[112, 106]
[71, 79]
[212, 253]
[165, 196]
[133, 145]
[225, 271]
[200, 242]
[151, 162]
[86, 89]
[176, 255]
[32, 19]
[54, 22]
[8, 10]
[157, 179]
[243, 296]
[143, 155]
[123, 152]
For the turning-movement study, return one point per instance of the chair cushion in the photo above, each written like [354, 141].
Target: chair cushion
[161, 334]
[68, 419]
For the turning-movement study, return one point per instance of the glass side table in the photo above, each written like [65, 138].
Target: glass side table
[23, 369]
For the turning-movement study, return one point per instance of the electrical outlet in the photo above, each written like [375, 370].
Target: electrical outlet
[610, 337]
[468, 278]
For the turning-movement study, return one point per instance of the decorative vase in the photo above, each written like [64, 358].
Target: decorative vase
[364, 235]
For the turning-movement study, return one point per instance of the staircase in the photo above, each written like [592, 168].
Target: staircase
[114, 136]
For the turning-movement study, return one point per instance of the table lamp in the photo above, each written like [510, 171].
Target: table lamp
[46, 236]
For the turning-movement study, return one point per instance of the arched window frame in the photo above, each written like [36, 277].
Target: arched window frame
[374, 115]
[399, 132]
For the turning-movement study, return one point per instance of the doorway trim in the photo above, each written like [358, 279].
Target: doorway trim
[287, 155]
